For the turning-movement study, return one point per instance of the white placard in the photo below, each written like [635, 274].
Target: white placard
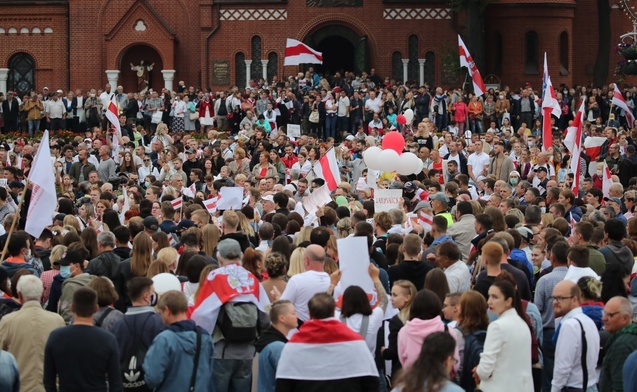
[231, 198]
[387, 199]
[294, 130]
[3, 182]
[372, 177]
[316, 199]
[353, 256]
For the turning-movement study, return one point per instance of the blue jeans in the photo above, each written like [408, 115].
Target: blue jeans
[34, 125]
[330, 125]
[441, 121]
[548, 352]
[476, 126]
[232, 375]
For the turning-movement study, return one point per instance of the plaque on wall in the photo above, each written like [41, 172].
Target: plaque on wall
[221, 72]
[334, 3]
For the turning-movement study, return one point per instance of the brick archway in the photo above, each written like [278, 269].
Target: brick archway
[135, 54]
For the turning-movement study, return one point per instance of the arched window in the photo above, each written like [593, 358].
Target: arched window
[21, 74]
[256, 69]
[413, 69]
[430, 69]
[531, 66]
[497, 54]
[240, 70]
[397, 66]
[564, 54]
[273, 65]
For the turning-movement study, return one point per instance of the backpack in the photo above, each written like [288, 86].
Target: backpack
[473, 347]
[132, 370]
[238, 322]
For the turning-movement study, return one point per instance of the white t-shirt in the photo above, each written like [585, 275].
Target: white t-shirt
[302, 287]
[375, 321]
[477, 163]
[373, 104]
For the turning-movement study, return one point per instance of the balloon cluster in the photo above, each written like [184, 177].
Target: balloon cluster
[391, 157]
[406, 117]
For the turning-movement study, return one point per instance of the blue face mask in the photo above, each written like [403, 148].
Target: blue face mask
[65, 271]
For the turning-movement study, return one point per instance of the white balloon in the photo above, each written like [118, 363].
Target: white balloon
[416, 164]
[419, 167]
[409, 115]
[388, 160]
[165, 282]
[371, 156]
[404, 165]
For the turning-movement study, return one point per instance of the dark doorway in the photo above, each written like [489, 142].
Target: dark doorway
[135, 55]
[338, 55]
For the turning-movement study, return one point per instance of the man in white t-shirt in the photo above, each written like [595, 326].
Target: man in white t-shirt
[302, 287]
[478, 162]
[372, 105]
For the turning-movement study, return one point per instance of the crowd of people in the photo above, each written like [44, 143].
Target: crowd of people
[490, 272]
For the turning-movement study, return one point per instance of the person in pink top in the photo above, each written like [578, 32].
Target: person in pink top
[460, 112]
[424, 319]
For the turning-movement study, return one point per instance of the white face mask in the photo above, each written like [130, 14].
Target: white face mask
[28, 255]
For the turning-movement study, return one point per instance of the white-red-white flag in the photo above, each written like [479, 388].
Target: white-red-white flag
[620, 102]
[550, 106]
[113, 118]
[467, 61]
[593, 146]
[607, 180]
[573, 142]
[177, 203]
[296, 52]
[426, 220]
[327, 169]
[211, 204]
[43, 196]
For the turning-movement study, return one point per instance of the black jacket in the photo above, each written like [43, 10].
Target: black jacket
[463, 163]
[411, 270]
[13, 112]
[241, 238]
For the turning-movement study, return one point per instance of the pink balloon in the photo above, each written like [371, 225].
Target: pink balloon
[394, 141]
[401, 119]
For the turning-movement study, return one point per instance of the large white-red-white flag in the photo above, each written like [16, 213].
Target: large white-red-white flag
[231, 283]
[327, 169]
[593, 146]
[467, 61]
[620, 102]
[43, 196]
[211, 204]
[296, 52]
[573, 142]
[607, 180]
[113, 118]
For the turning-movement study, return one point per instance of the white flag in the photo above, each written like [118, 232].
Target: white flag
[43, 196]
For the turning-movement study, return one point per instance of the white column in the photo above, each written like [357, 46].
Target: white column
[264, 69]
[248, 76]
[421, 63]
[169, 76]
[405, 70]
[112, 75]
[4, 75]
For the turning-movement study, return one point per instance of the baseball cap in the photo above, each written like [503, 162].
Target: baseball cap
[229, 249]
[422, 204]
[70, 257]
[185, 224]
[268, 198]
[541, 168]
[514, 173]
[441, 197]
[151, 223]
[410, 186]
[46, 88]
[349, 137]
[525, 232]
[613, 199]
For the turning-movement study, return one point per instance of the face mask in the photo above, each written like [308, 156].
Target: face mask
[513, 181]
[65, 271]
[501, 96]
[543, 209]
[92, 95]
[153, 299]
[599, 173]
[60, 169]
[146, 184]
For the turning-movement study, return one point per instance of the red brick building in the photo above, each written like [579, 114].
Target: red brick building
[71, 44]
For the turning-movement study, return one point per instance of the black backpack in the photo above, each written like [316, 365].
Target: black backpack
[238, 322]
[473, 347]
[132, 370]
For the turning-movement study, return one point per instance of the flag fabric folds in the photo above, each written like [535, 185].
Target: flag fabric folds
[573, 142]
[620, 102]
[43, 197]
[296, 52]
[467, 61]
[607, 180]
[113, 118]
[327, 169]
[593, 146]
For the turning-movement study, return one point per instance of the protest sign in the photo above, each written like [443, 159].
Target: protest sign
[294, 131]
[316, 199]
[353, 256]
[231, 198]
[387, 199]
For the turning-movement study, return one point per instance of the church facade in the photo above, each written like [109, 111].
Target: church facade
[70, 44]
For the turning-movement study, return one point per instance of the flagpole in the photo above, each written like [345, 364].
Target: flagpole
[15, 221]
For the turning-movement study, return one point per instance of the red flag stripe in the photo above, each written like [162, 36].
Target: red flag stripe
[301, 49]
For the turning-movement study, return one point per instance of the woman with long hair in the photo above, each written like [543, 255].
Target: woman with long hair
[264, 168]
[160, 241]
[506, 358]
[281, 244]
[472, 320]
[127, 165]
[253, 262]
[240, 164]
[498, 218]
[278, 164]
[210, 238]
[615, 282]
[431, 372]
[193, 268]
[436, 281]
[276, 267]
[303, 165]
[106, 317]
[424, 319]
[89, 240]
[136, 266]
[402, 294]
[296, 262]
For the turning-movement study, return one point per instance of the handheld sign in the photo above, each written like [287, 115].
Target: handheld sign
[387, 199]
[294, 131]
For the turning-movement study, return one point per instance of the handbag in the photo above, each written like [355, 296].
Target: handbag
[156, 117]
[314, 117]
[194, 116]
